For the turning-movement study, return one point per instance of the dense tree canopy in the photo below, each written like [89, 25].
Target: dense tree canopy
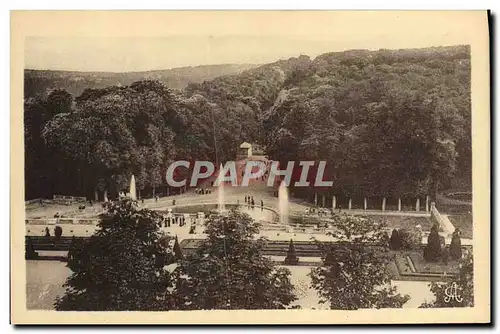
[388, 123]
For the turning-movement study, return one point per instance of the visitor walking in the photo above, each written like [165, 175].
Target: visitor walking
[253, 202]
[246, 199]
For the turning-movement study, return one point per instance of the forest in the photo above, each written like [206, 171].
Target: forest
[387, 122]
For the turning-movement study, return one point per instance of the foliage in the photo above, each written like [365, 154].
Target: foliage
[338, 108]
[432, 251]
[342, 106]
[120, 267]
[29, 250]
[411, 238]
[229, 271]
[464, 283]
[291, 257]
[354, 272]
[58, 232]
[456, 245]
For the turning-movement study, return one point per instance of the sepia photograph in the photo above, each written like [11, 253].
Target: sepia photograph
[255, 162]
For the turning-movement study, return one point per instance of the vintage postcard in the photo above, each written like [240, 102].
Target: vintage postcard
[250, 167]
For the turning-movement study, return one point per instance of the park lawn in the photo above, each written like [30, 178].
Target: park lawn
[464, 223]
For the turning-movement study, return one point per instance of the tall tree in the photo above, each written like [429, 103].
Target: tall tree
[120, 267]
[354, 271]
[229, 270]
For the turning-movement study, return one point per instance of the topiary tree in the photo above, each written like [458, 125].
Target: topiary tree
[29, 250]
[291, 257]
[445, 255]
[58, 232]
[432, 251]
[410, 238]
[456, 245]
[75, 247]
[177, 250]
[395, 241]
[117, 268]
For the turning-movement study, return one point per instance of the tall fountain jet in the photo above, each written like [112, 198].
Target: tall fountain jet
[220, 192]
[132, 190]
[283, 203]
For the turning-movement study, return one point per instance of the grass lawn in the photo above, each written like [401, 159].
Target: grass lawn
[464, 223]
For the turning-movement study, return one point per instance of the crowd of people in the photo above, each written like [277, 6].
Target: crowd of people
[203, 191]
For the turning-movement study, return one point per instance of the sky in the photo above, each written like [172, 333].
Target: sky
[233, 38]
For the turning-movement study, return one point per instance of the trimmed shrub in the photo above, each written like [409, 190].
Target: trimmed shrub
[177, 250]
[432, 251]
[456, 245]
[445, 256]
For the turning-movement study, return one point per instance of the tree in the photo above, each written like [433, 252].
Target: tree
[395, 241]
[58, 232]
[229, 271]
[456, 245]
[432, 251]
[120, 267]
[354, 272]
[460, 287]
[291, 257]
[177, 250]
[410, 238]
